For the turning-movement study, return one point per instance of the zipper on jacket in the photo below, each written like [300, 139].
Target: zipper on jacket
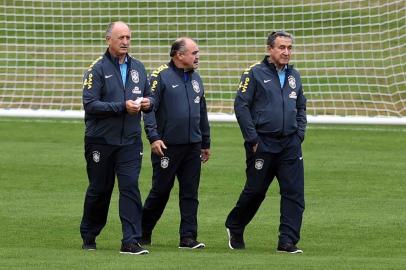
[283, 106]
[188, 103]
[123, 117]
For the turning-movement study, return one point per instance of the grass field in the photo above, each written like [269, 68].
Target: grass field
[354, 217]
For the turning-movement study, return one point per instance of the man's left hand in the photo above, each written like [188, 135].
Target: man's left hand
[145, 104]
[205, 155]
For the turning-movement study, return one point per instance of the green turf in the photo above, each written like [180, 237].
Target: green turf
[354, 218]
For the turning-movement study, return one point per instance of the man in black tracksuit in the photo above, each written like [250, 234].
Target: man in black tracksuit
[115, 91]
[179, 133]
[271, 110]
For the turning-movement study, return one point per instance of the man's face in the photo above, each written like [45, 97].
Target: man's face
[119, 41]
[190, 57]
[281, 51]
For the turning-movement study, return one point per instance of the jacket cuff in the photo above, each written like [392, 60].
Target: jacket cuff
[205, 145]
[253, 142]
[153, 139]
[301, 136]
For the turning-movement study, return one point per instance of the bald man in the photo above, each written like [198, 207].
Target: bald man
[115, 91]
[179, 133]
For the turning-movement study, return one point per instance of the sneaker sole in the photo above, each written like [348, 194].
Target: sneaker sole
[88, 248]
[144, 252]
[229, 238]
[201, 245]
[292, 252]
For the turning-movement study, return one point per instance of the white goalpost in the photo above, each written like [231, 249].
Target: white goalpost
[351, 53]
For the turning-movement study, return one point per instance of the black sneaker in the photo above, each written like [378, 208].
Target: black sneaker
[89, 244]
[235, 241]
[190, 243]
[288, 248]
[145, 239]
[133, 249]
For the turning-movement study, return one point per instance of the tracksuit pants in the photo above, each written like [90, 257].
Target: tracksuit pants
[262, 167]
[104, 162]
[184, 162]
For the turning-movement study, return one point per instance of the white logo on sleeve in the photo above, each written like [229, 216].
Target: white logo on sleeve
[96, 156]
[267, 81]
[197, 99]
[108, 76]
[175, 85]
[164, 162]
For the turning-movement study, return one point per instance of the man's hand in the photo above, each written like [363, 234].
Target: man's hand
[157, 146]
[132, 107]
[254, 148]
[145, 104]
[205, 155]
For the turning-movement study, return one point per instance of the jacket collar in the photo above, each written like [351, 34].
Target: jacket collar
[179, 71]
[272, 66]
[115, 59]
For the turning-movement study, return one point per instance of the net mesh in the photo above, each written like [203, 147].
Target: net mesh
[351, 54]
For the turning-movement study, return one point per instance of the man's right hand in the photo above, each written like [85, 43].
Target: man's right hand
[132, 107]
[157, 147]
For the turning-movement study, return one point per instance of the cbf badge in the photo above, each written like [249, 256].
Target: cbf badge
[96, 156]
[259, 163]
[196, 86]
[292, 82]
[135, 76]
[164, 162]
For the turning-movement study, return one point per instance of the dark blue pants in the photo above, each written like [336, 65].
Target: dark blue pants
[184, 162]
[104, 162]
[262, 167]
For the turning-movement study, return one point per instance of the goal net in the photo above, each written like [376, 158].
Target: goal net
[351, 54]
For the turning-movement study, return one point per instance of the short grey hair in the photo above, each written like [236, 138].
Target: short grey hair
[111, 26]
[272, 37]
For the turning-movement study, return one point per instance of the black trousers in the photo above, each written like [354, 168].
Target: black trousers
[184, 162]
[262, 167]
[104, 162]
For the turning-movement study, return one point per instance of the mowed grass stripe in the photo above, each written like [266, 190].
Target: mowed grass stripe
[354, 217]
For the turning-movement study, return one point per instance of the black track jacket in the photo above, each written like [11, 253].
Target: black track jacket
[180, 113]
[263, 107]
[104, 97]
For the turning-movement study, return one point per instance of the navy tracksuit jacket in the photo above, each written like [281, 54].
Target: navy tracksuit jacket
[275, 118]
[180, 120]
[113, 144]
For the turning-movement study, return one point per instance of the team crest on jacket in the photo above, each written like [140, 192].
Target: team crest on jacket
[135, 76]
[96, 156]
[196, 86]
[164, 162]
[292, 82]
[259, 163]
